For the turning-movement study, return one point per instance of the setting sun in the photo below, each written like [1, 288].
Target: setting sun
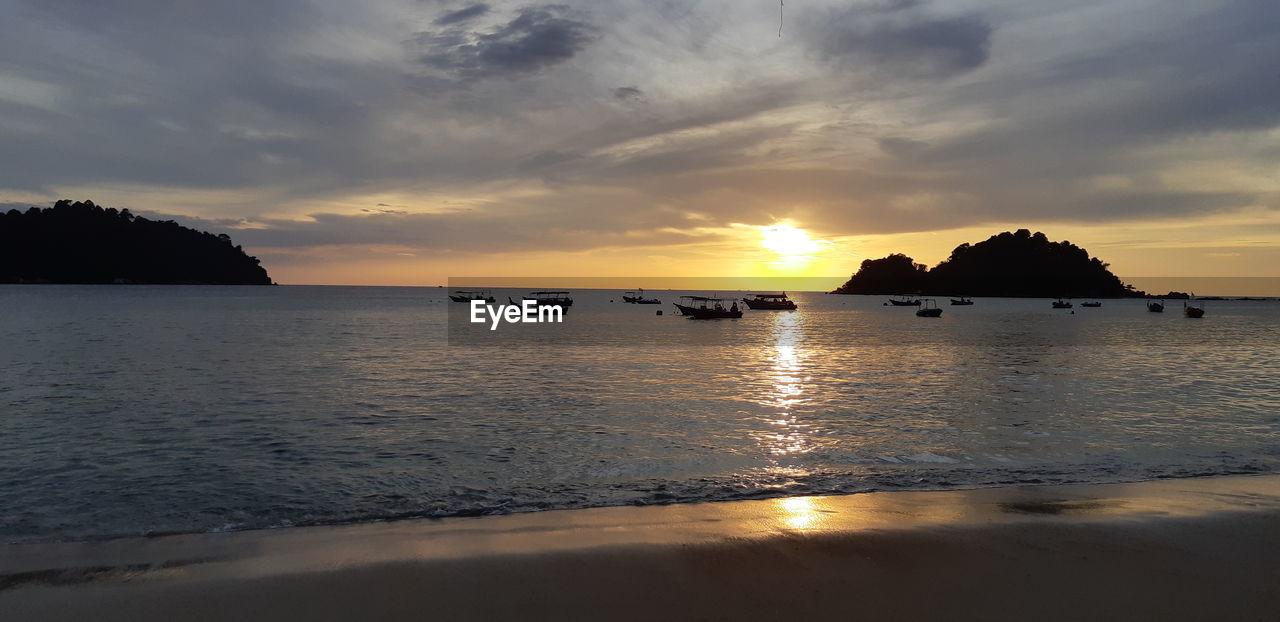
[789, 242]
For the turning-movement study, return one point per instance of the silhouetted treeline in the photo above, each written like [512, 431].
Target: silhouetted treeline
[84, 243]
[1008, 264]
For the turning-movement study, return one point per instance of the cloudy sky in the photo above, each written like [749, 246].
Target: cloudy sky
[406, 141]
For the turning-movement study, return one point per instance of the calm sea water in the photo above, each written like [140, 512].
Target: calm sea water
[131, 409]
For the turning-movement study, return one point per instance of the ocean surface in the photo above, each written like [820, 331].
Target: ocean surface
[128, 410]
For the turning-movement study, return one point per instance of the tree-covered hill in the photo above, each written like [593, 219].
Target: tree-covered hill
[84, 243]
[1008, 264]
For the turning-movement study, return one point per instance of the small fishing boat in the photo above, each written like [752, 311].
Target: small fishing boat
[1091, 304]
[546, 299]
[1192, 311]
[929, 308]
[637, 298]
[466, 295]
[961, 301]
[1061, 304]
[1155, 306]
[774, 302]
[903, 300]
[707, 308]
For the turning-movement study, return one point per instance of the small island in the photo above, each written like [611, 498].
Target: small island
[85, 243]
[1017, 264]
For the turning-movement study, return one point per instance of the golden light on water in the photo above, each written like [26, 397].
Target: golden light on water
[786, 435]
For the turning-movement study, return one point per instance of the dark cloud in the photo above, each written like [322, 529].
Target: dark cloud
[867, 117]
[629, 94]
[899, 37]
[537, 38]
[462, 15]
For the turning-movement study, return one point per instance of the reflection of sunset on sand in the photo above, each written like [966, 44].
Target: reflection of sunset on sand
[1172, 550]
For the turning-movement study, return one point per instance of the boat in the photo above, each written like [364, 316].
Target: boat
[1189, 310]
[961, 301]
[707, 308]
[637, 298]
[1091, 304]
[929, 308]
[774, 302]
[1061, 304]
[466, 295]
[1243, 298]
[547, 299]
[903, 300]
[1155, 306]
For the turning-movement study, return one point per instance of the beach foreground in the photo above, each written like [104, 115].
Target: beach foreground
[1189, 549]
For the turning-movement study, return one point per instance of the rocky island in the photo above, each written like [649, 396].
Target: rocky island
[1017, 264]
[82, 242]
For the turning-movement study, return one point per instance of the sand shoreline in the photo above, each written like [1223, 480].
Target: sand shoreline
[1201, 548]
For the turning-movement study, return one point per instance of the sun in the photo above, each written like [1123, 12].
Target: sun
[788, 241]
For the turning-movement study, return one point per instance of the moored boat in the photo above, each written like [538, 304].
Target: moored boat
[545, 299]
[1061, 304]
[961, 301]
[1155, 306]
[929, 308]
[1192, 311]
[467, 295]
[1091, 304]
[774, 302]
[903, 300]
[637, 298]
[707, 308]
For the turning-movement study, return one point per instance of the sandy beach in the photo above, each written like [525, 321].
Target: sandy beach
[1190, 549]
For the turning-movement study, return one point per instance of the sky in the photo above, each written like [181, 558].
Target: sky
[403, 142]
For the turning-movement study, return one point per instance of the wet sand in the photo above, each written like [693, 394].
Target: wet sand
[1190, 549]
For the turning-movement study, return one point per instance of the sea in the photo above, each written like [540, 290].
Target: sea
[145, 410]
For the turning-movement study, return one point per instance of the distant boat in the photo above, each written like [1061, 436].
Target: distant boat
[1061, 304]
[464, 295]
[547, 299]
[637, 298]
[930, 309]
[1242, 298]
[1155, 306]
[1091, 304]
[961, 301]
[773, 302]
[1192, 311]
[706, 308]
[903, 300]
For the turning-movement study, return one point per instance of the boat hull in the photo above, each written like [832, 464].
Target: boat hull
[907, 303]
[958, 303]
[1193, 312]
[1155, 307]
[770, 306]
[931, 312]
[698, 313]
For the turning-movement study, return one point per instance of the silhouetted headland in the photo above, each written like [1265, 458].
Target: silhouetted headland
[82, 242]
[1020, 264]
